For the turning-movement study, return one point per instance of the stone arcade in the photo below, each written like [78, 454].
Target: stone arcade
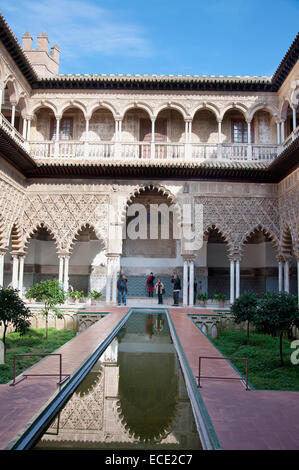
[78, 151]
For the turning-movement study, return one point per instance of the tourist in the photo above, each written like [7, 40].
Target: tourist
[122, 289]
[150, 285]
[176, 288]
[160, 291]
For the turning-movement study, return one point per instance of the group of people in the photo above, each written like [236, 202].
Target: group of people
[151, 285]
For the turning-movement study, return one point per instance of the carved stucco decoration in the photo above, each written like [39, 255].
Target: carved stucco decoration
[237, 218]
[64, 215]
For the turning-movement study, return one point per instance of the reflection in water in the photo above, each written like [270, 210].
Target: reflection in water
[134, 396]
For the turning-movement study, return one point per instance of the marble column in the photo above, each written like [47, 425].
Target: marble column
[286, 276]
[108, 280]
[2, 255]
[185, 283]
[153, 139]
[66, 274]
[294, 118]
[282, 132]
[191, 283]
[278, 133]
[13, 115]
[21, 275]
[15, 271]
[232, 281]
[280, 275]
[115, 271]
[86, 140]
[60, 275]
[24, 128]
[28, 129]
[237, 279]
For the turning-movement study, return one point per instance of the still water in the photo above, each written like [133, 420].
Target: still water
[134, 397]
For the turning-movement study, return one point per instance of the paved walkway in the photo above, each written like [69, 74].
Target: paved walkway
[242, 419]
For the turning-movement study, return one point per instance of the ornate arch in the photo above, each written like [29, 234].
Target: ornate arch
[81, 226]
[235, 105]
[272, 110]
[44, 104]
[140, 189]
[137, 105]
[73, 104]
[287, 241]
[210, 107]
[42, 224]
[221, 232]
[174, 106]
[101, 105]
[266, 231]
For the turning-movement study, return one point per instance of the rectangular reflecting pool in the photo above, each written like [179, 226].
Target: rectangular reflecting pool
[134, 397]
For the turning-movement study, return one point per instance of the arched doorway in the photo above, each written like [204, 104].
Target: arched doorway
[151, 241]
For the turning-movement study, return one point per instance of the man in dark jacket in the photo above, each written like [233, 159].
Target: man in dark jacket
[176, 289]
[122, 289]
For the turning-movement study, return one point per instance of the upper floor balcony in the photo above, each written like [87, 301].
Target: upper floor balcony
[136, 135]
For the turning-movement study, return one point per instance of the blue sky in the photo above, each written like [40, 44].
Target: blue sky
[211, 37]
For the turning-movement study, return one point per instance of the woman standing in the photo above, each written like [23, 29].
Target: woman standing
[160, 291]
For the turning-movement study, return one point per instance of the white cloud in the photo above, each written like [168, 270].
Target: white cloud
[80, 28]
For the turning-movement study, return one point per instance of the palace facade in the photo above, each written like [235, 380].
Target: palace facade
[79, 151]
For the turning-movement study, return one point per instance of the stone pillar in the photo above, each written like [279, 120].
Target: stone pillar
[86, 140]
[280, 275]
[185, 283]
[282, 132]
[15, 271]
[294, 118]
[237, 279]
[66, 274]
[1, 95]
[232, 281]
[108, 280]
[2, 255]
[24, 128]
[278, 133]
[28, 129]
[219, 149]
[56, 145]
[286, 276]
[249, 149]
[13, 114]
[115, 270]
[21, 275]
[153, 139]
[191, 283]
[60, 274]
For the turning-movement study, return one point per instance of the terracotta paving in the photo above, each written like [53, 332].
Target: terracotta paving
[254, 419]
[242, 419]
[20, 403]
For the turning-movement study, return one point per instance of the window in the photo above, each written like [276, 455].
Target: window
[240, 132]
[65, 129]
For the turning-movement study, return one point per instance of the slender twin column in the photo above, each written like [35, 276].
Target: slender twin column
[113, 268]
[234, 279]
[17, 271]
[188, 279]
[63, 275]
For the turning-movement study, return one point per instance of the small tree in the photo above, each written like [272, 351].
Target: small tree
[14, 311]
[277, 313]
[244, 309]
[51, 294]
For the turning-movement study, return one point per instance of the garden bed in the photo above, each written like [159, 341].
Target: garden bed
[32, 342]
[265, 371]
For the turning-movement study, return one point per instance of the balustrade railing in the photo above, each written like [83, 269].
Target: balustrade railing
[5, 124]
[152, 151]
